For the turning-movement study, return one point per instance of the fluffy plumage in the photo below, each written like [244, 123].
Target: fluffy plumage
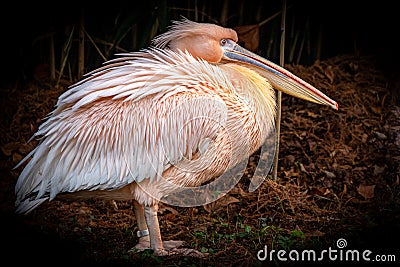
[128, 121]
[150, 123]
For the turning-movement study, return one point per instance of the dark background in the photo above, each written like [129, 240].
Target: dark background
[360, 27]
[346, 27]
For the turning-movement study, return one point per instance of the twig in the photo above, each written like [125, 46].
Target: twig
[273, 16]
[95, 46]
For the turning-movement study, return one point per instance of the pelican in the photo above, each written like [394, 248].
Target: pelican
[148, 123]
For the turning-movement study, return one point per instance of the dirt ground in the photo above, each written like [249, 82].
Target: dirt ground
[338, 177]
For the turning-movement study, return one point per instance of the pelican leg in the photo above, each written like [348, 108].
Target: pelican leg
[167, 247]
[150, 214]
[143, 232]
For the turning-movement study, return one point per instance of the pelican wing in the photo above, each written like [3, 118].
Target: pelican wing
[127, 121]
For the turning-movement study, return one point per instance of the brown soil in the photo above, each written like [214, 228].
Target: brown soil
[338, 177]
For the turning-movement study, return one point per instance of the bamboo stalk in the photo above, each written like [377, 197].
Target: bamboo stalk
[203, 11]
[81, 48]
[259, 11]
[303, 40]
[292, 27]
[279, 99]
[241, 12]
[70, 73]
[270, 44]
[293, 48]
[224, 13]
[65, 54]
[196, 11]
[154, 29]
[52, 59]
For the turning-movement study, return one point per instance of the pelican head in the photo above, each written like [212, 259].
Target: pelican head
[217, 44]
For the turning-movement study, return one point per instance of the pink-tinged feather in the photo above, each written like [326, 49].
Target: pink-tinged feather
[148, 123]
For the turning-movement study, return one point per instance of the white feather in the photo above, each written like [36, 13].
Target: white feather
[124, 126]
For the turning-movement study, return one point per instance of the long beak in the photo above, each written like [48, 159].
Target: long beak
[280, 78]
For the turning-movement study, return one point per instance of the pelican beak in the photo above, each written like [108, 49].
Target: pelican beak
[279, 78]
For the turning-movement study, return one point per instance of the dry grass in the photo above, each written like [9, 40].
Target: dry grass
[338, 177]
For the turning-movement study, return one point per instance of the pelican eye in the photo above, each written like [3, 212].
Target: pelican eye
[227, 43]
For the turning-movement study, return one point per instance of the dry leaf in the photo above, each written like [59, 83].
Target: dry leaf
[344, 191]
[320, 191]
[381, 136]
[162, 210]
[330, 74]
[302, 169]
[249, 35]
[239, 191]
[329, 174]
[376, 110]
[379, 170]
[222, 202]
[314, 233]
[367, 191]
[364, 138]
[312, 114]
